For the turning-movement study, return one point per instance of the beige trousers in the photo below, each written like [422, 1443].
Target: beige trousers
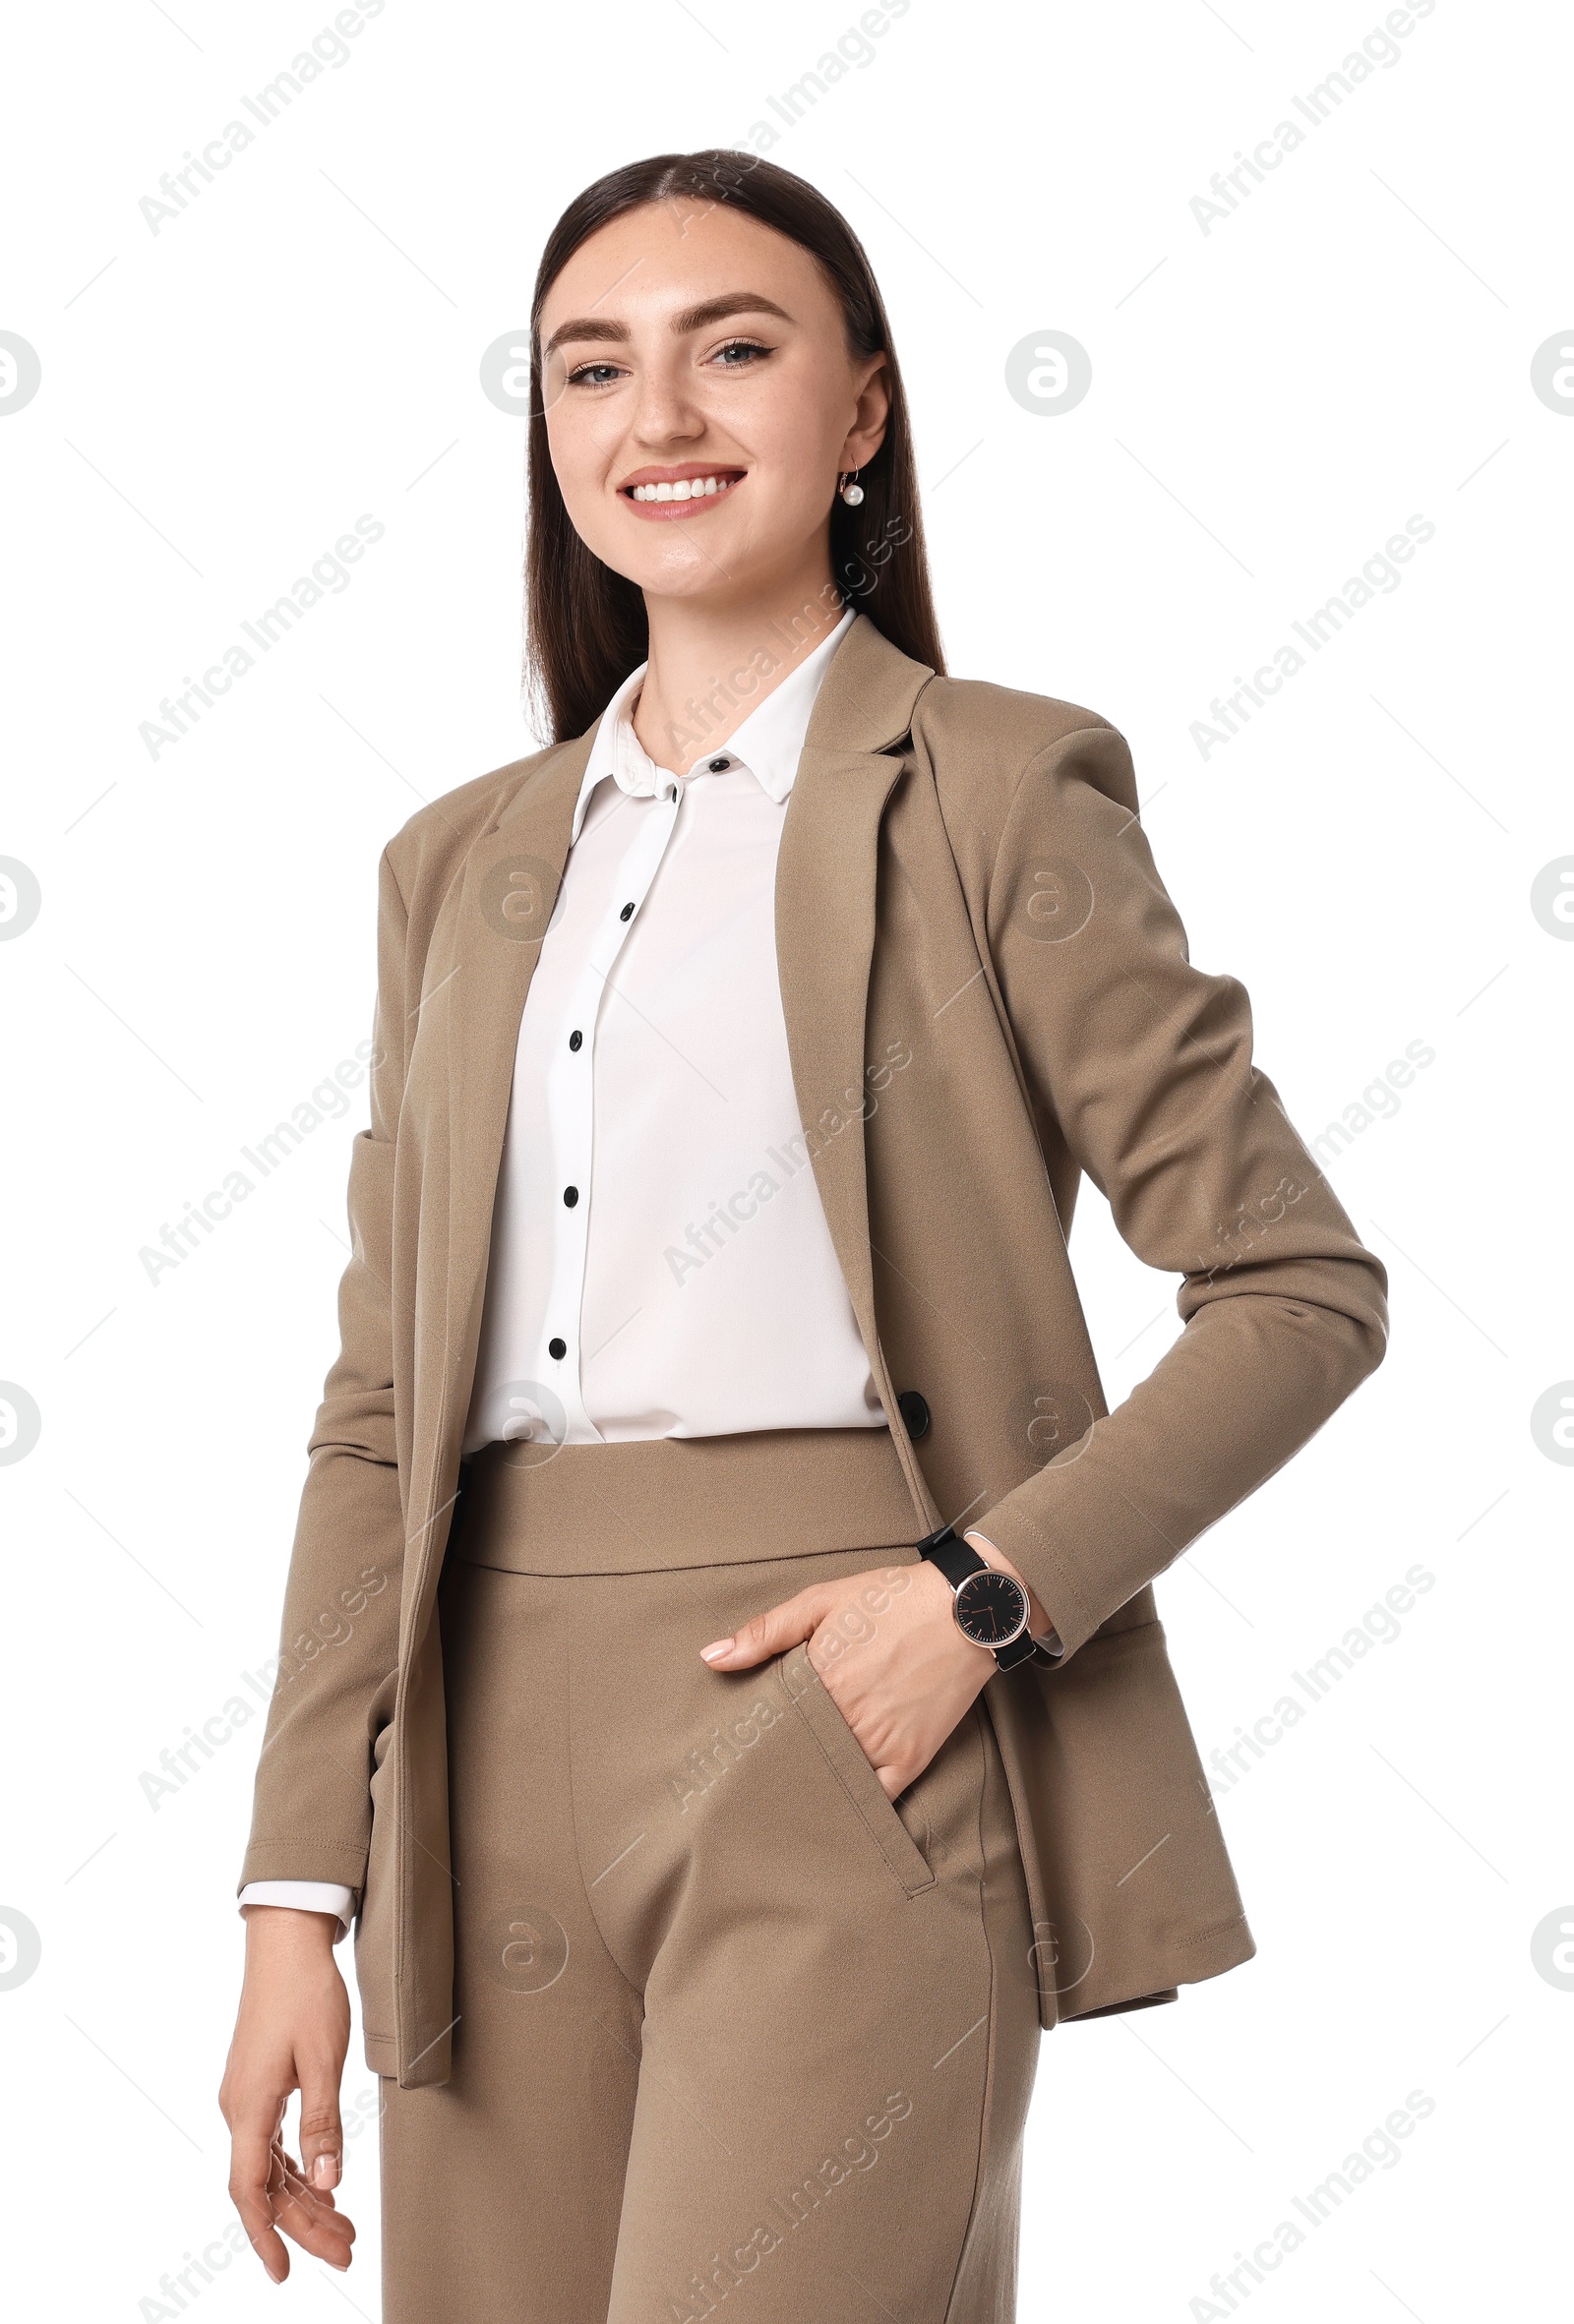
[733, 2031]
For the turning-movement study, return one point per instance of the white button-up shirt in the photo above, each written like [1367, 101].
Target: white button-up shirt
[660, 1262]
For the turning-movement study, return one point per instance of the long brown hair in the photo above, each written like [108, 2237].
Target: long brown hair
[586, 625]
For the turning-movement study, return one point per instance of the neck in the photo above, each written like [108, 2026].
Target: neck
[711, 664]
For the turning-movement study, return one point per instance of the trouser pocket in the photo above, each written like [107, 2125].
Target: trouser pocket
[844, 1753]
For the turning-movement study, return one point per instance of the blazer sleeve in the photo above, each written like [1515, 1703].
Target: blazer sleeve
[311, 1811]
[1143, 1063]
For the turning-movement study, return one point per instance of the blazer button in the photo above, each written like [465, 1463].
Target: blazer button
[915, 1413]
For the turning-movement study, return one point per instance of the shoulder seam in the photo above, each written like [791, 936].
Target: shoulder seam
[1092, 723]
[1101, 725]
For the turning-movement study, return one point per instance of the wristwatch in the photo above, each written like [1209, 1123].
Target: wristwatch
[991, 1608]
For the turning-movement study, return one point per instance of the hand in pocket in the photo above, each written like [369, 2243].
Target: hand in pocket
[887, 1650]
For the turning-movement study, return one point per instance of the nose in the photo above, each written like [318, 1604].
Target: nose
[664, 412]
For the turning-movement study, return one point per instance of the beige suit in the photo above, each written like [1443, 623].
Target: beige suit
[987, 992]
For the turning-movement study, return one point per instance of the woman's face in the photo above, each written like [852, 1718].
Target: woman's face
[693, 348]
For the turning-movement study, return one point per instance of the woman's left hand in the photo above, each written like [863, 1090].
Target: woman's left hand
[887, 1649]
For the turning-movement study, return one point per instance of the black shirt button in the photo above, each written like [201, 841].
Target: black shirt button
[571, 1195]
[574, 1039]
[719, 766]
[626, 912]
[915, 1413]
[557, 1350]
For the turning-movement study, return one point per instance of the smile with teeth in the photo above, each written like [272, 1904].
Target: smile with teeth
[686, 488]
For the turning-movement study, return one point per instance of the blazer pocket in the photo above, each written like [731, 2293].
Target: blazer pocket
[814, 1704]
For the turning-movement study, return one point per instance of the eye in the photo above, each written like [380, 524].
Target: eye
[593, 375]
[739, 354]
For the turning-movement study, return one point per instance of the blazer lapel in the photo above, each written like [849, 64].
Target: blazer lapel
[826, 928]
[476, 986]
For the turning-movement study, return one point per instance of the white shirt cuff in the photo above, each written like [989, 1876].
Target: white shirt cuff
[304, 1896]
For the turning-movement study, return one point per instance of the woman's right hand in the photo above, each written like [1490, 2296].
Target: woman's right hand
[291, 2033]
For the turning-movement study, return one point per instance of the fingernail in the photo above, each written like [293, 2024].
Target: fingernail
[715, 1651]
[325, 2171]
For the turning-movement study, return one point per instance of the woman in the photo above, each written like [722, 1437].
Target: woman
[719, 1672]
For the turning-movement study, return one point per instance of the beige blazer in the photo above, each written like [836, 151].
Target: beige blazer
[987, 992]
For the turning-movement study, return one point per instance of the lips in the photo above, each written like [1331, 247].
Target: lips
[666, 493]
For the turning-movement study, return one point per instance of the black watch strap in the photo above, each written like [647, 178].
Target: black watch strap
[957, 1559]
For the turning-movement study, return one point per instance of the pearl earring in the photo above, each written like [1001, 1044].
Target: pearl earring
[852, 493]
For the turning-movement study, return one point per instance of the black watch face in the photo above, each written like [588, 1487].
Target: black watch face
[992, 1609]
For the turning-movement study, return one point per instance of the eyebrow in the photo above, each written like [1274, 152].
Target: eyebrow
[730, 302]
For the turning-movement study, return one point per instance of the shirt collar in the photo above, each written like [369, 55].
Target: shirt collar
[768, 742]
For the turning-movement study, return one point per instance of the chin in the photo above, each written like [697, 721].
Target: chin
[685, 572]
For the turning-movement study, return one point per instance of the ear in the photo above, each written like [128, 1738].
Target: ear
[872, 382]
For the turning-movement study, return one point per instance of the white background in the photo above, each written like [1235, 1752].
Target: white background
[1271, 399]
